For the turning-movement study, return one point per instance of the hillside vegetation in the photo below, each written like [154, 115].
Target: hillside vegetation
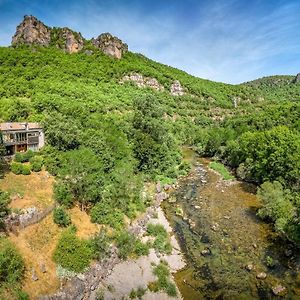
[106, 137]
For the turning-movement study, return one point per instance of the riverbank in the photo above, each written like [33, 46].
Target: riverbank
[116, 279]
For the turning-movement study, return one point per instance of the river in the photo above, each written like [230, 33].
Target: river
[226, 246]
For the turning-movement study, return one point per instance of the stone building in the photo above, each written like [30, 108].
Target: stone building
[20, 137]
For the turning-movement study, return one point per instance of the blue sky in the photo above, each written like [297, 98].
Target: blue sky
[230, 41]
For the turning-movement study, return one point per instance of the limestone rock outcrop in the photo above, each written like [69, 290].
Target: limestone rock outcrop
[176, 89]
[142, 81]
[297, 78]
[73, 41]
[32, 31]
[110, 45]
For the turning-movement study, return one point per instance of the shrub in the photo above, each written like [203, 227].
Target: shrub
[125, 243]
[137, 294]
[11, 263]
[62, 194]
[141, 248]
[27, 156]
[21, 295]
[60, 217]
[103, 213]
[161, 242]
[163, 283]
[4, 209]
[24, 157]
[100, 245]
[16, 168]
[18, 157]
[36, 163]
[26, 170]
[72, 253]
[129, 245]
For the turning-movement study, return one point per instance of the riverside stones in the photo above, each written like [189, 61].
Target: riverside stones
[261, 275]
[279, 290]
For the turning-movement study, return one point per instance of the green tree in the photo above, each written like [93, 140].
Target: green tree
[4, 209]
[154, 147]
[11, 263]
[277, 205]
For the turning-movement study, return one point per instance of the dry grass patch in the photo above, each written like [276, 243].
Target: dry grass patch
[82, 221]
[35, 189]
[37, 243]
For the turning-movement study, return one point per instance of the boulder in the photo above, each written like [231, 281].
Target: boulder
[176, 89]
[33, 275]
[261, 275]
[279, 290]
[32, 31]
[110, 45]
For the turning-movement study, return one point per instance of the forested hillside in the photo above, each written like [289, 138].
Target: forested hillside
[106, 136]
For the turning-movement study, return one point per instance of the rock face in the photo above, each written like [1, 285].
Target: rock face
[297, 78]
[176, 89]
[110, 45]
[142, 81]
[73, 41]
[32, 31]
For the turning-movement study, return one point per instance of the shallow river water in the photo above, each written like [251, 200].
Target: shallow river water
[225, 245]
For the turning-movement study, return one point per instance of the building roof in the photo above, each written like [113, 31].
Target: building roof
[19, 126]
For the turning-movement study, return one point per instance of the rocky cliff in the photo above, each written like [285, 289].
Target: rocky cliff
[31, 31]
[67, 39]
[110, 45]
[297, 78]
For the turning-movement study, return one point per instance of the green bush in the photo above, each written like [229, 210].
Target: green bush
[26, 170]
[162, 241]
[27, 156]
[60, 217]
[21, 295]
[62, 194]
[100, 245]
[18, 157]
[16, 168]
[128, 245]
[103, 213]
[24, 157]
[36, 163]
[11, 263]
[4, 209]
[163, 283]
[72, 253]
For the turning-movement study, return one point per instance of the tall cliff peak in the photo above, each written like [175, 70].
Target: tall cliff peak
[32, 31]
[110, 45]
